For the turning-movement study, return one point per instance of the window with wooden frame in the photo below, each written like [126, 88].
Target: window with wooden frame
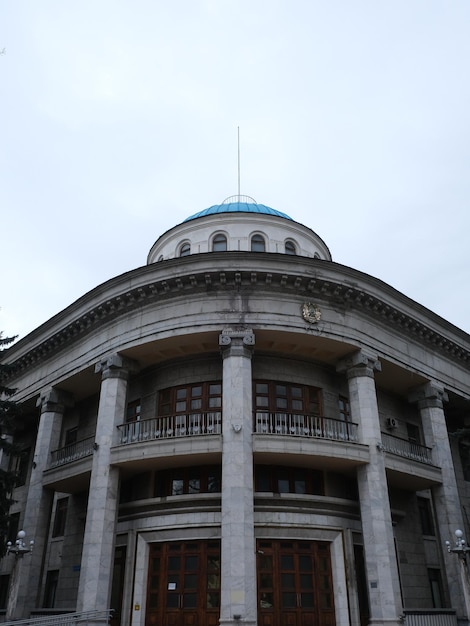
[258, 243]
[219, 243]
[195, 407]
[188, 480]
[58, 529]
[277, 397]
[280, 479]
[133, 411]
[344, 409]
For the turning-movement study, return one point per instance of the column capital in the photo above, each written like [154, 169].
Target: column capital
[361, 363]
[116, 366]
[429, 395]
[238, 342]
[54, 400]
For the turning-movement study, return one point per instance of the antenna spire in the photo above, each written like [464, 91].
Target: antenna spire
[238, 130]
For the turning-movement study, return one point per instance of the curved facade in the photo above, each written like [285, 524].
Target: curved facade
[243, 431]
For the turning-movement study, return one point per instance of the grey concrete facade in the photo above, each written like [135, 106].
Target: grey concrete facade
[245, 411]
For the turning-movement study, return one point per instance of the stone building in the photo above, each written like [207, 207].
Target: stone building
[242, 431]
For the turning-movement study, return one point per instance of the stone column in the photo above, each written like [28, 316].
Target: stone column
[52, 403]
[379, 547]
[430, 399]
[98, 545]
[238, 581]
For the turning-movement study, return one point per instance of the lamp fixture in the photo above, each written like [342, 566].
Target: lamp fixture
[20, 548]
[460, 546]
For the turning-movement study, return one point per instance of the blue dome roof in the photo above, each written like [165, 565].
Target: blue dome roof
[242, 204]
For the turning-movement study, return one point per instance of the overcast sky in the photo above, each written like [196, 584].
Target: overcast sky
[119, 120]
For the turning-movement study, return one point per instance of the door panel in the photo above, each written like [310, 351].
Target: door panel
[294, 584]
[184, 584]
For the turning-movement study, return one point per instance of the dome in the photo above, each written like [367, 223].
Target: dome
[238, 204]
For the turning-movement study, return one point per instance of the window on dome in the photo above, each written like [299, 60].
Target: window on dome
[290, 248]
[219, 243]
[185, 249]
[316, 256]
[258, 244]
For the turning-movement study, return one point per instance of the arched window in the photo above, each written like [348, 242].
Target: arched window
[219, 243]
[316, 256]
[289, 247]
[185, 249]
[258, 244]
[160, 258]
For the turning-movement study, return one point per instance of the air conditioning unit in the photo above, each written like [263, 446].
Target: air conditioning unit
[391, 422]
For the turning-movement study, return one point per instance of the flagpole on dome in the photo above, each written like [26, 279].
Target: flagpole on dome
[238, 132]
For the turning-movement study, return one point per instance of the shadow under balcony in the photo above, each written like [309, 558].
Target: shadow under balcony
[69, 467]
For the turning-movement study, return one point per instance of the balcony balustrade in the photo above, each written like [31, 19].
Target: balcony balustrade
[406, 449]
[312, 426]
[72, 452]
[191, 425]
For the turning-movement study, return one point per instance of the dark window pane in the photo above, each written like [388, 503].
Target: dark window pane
[288, 600]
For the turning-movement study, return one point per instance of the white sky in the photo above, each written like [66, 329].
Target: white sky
[119, 120]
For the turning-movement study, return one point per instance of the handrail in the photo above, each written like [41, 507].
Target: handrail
[407, 449]
[314, 426]
[72, 452]
[168, 427]
[65, 619]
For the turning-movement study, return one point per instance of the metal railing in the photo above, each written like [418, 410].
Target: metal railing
[72, 452]
[190, 425]
[431, 617]
[304, 426]
[65, 619]
[406, 449]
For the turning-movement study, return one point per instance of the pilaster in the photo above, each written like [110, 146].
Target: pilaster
[52, 403]
[98, 544]
[379, 548]
[430, 399]
[238, 580]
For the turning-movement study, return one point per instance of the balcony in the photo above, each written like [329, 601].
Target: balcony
[72, 452]
[170, 427]
[310, 426]
[406, 449]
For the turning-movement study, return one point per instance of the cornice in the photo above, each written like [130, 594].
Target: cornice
[292, 276]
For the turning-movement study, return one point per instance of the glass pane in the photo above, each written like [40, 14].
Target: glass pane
[306, 581]
[189, 600]
[153, 601]
[287, 561]
[296, 392]
[262, 401]
[190, 581]
[283, 485]
[213, 484]
[266, 562]
[281, 403]
[196, 391]
[181, 406]
[213, 581]
[297, 405]
[305, 563]
[174, 563]
[215, 402]
[213, 563]
[172, 600]
[266, 580]
[307, 600]
[212, 600]
[288, 581]
[288, 599]
[266, 601]
[281, 390]
[176, 487]
[194, 485]
[191, 563]
[181, 394]
[196, 404]
[215, 389]
[261, 388]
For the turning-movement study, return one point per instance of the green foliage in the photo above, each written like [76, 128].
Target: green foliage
[9, 412]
